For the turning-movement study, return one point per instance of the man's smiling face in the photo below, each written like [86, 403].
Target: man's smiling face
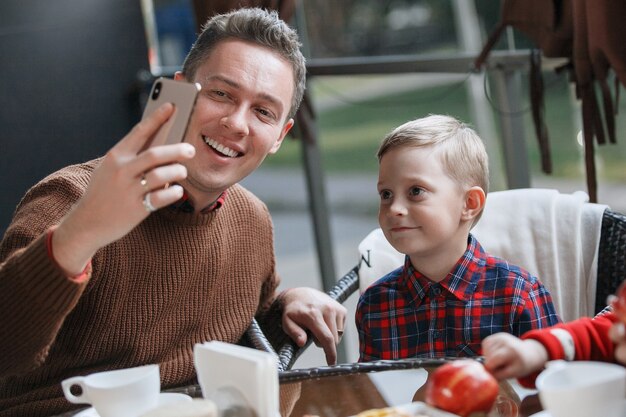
[239, 118]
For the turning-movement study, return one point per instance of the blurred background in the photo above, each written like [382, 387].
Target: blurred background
[74, 74]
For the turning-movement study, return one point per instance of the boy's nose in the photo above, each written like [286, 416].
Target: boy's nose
[397, 208]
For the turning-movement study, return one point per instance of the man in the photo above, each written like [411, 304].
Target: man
[135, 257]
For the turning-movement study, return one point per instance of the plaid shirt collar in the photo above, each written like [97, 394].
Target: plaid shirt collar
[184, 204]
[458, 282]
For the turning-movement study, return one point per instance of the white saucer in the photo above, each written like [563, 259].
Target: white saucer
[164, 398]
[545, 413]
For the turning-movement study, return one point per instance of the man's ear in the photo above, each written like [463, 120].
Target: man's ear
[286, 128]
[474, 202]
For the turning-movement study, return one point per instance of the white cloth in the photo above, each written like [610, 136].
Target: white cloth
[554, 236]
[378, 258]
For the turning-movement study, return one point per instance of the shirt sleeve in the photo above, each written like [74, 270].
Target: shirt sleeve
[537, 310]
[367, 347]
[590, 337]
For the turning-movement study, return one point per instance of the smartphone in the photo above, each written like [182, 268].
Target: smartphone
[182, 95]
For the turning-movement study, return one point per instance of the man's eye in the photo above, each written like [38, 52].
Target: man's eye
[218, 93]
[415, 191]
[265, 113]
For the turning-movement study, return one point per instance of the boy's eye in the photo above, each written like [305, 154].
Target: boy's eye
[385, 194]
[415, 191]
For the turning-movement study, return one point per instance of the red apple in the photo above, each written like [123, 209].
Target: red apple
[462, 387]
[618, 302]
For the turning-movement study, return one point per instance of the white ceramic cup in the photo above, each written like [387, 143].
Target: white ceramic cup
[123, 392]
[583, 388]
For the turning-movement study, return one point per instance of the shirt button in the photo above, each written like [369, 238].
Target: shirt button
[437, 334]
[436, 291]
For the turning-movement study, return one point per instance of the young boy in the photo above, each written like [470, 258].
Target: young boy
[602, 338]
[450, 294]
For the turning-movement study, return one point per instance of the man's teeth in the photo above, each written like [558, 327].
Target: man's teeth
[220, 148]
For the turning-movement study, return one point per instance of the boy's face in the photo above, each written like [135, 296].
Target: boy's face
[421, 206]
[240, 116]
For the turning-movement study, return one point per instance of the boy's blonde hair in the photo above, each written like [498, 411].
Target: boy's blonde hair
[461, 150]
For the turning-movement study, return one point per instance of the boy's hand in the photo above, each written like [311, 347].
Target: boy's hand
[617, 333]
[507, 356]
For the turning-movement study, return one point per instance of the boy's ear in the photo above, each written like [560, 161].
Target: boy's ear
[474, 202]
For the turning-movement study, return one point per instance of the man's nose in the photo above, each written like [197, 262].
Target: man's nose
[236, 121]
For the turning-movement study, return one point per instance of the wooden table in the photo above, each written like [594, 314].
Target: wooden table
[346, 390]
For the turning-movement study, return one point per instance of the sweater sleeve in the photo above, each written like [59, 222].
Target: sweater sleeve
[35, 295]
[590, 337]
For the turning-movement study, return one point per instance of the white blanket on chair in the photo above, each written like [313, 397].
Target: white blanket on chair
[378, 258]
[554, 236]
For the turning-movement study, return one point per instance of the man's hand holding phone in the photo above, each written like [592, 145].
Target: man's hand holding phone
[134, 170]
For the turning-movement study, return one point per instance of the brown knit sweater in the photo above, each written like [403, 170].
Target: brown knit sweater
[177, 279]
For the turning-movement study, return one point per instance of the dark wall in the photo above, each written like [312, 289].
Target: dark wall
[68, 85]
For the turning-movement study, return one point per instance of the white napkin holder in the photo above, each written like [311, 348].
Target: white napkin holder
[253, 373]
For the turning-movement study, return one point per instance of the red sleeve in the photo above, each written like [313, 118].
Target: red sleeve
[590, 336]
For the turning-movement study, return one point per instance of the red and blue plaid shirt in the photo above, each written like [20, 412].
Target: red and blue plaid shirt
[406, 315]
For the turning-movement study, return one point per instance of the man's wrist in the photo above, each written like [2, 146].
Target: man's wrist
[279, 301]
[78, 274]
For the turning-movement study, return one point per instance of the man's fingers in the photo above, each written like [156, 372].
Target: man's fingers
[322, 336]
[325, 333]
[297, 333]
[162, 155]
[331, 353]
[162, 176]
[164, 197]
[140, 135]
[335, 320]
[340, 323]
[316, 312]
[333, 328]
